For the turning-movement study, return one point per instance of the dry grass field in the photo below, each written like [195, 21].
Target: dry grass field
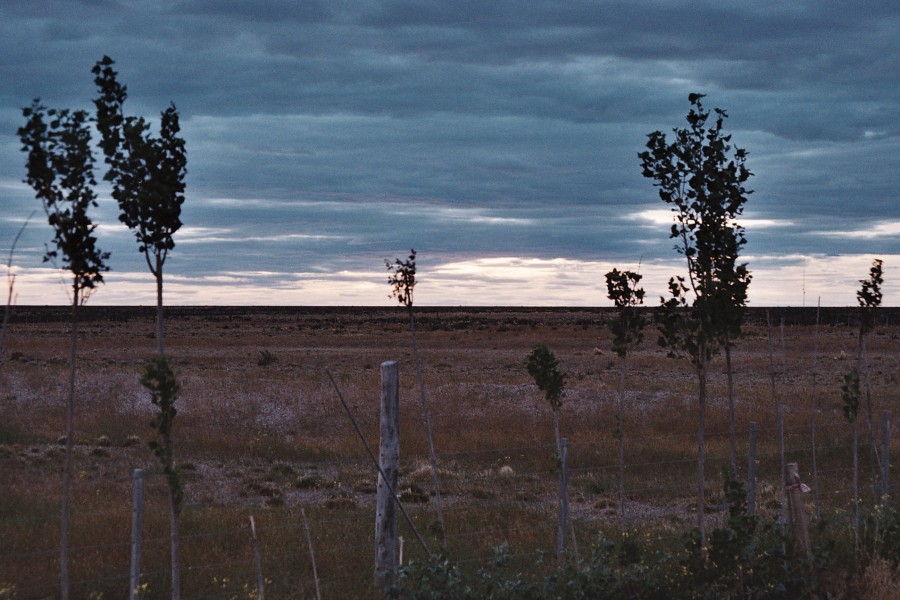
[261, 431]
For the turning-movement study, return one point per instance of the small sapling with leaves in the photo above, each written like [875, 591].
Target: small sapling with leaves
[60, 169]
[402, 279]
[627, 328]
[543, 366]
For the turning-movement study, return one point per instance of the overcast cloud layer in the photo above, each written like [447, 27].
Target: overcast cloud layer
[498, 138]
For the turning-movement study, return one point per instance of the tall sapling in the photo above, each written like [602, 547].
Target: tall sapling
[60, 170]
[701, 176]
[543, 366]
[147, 175]
[627, 328]
[402, 279]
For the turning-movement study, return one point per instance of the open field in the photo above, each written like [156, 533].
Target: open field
[260, 430]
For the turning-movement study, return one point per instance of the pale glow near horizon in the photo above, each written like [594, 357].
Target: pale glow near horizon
[501, 281]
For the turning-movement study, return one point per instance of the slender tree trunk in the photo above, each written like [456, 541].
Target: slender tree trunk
[873, 447]
[556, 433]
[174, 540]
[426, 419]
[701, 454]
[175, 544]
[160, 327]
[856, 481]
[67, 465]
[815, 418]
[779, 417]
[732, 432]
[621, 426]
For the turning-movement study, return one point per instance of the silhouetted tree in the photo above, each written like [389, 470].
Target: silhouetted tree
[147, 175]
[701, 176]
[59, 168]
[402, 279]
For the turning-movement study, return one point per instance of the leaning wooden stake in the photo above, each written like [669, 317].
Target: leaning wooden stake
[798, 512]
[312, 555]
[137, 514]
[389, 461]
[260, 581]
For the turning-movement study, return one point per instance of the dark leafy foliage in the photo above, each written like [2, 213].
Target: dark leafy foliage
[147, 172]
[402, 278]
[701, 176]
[60, 170]
[543, 366]
[869, 297]
[160, 380]
[628, 325]
[748, 557]
[850, 394]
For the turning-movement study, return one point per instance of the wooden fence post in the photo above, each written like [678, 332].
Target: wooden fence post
[885, 453]
[260, 581]
[798, 512]
[137, 518]
[751, 470]
[388, 459]
[563, 499]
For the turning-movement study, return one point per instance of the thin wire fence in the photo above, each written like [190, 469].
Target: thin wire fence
[508, 498]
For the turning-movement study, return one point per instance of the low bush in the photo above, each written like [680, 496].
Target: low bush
[748, 557]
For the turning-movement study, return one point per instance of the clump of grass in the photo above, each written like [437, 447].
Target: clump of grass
[881, 580]
[309, 482]
[266, 358]
[413, 494]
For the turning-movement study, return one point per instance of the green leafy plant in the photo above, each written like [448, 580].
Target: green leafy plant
[160, 380]
[627, 328]
[746, 558]
[60, 170]
[402, 279]
[542, 365]
[850, 394]
[701, 176]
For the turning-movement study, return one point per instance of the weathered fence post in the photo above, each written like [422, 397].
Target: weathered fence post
[388, 459]
[563, 499]
[137, 518]
[260, 581]
[798, 512]
[751, 470]
[885, 453]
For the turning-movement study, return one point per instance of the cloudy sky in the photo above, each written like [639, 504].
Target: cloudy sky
[499, 139]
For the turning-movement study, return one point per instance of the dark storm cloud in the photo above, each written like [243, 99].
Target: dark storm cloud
[345, 131]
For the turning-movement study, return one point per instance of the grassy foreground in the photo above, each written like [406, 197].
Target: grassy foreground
[260, 431]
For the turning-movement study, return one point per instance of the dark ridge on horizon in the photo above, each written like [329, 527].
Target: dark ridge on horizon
[426, 316]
